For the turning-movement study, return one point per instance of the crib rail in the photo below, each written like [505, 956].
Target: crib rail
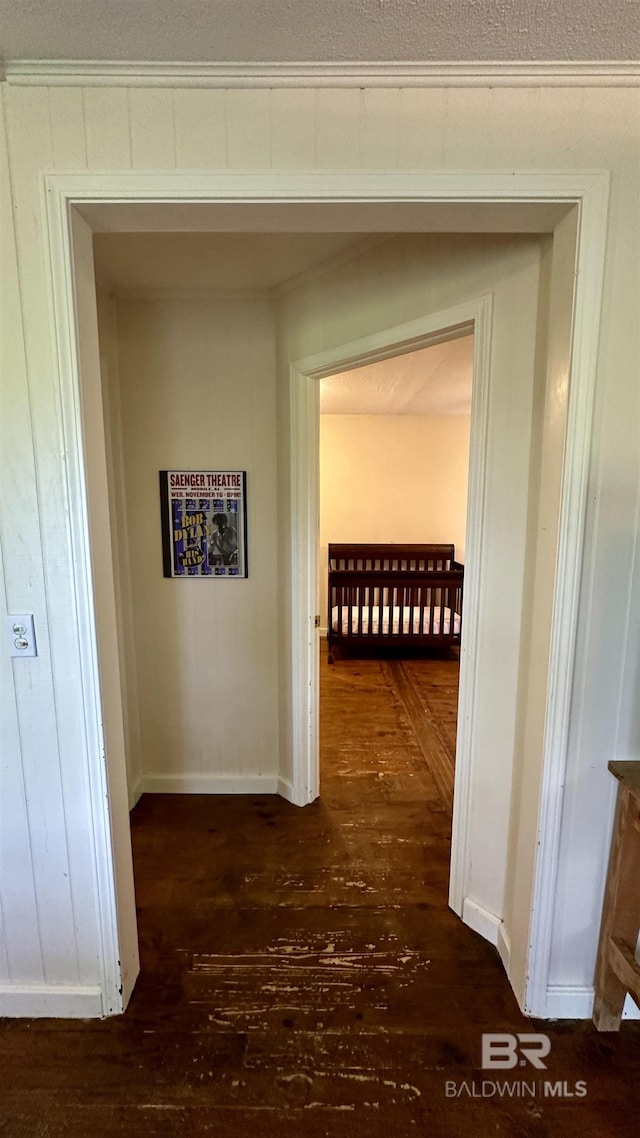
[415, 558]
[402, 607]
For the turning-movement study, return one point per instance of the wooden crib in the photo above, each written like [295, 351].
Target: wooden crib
[401, 596]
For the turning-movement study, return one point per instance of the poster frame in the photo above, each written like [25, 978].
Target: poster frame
[214, 493]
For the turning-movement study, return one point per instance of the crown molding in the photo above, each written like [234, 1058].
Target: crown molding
[99, 73]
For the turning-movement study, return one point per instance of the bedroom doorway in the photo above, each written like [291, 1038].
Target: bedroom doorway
[393, 477]
[472, 323]
[393, 488]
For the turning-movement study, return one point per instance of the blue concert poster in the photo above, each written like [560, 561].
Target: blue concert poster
[204, 523]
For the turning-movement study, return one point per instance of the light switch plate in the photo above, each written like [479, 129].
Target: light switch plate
[21, 634]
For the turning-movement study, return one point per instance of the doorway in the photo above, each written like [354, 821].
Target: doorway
[64, 301]
[394, 472]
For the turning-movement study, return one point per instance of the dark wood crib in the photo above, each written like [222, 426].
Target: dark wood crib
[401, 596]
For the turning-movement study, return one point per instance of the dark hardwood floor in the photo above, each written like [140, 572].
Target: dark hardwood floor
[302, 974]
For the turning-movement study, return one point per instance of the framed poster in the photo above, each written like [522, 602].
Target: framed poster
[204, 523]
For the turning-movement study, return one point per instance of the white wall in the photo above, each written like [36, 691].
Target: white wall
[47, 956]
[392, 478]
[49, 935]
[196, 390]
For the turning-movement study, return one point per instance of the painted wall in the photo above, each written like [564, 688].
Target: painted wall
[45, 865]
[195, 389]
[49, 959]
[392, 478]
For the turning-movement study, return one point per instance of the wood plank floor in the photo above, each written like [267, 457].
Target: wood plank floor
[302, 975]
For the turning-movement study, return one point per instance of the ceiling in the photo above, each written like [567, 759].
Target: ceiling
[432, 381]
[217, 262]
[318, 30]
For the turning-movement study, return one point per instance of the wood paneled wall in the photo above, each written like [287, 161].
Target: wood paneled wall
[49, 944]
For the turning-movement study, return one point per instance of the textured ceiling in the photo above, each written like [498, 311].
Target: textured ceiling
[432, 381]
[263, 31]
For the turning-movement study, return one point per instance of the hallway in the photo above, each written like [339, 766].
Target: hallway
[302, 974]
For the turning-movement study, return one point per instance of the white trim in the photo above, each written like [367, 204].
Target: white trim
[42, 1001]
[469, 646]
[483, 922]
[304, 419]
[304, 405]
[589, 190]
[209, 784]
[569, 1002]
[135, 792]
[573, 1002]
[153, 783]
[433, 187]
[285, 789]
[503, 945]
[472, 73]
[64, 337]
[590, 256]
[436, 328]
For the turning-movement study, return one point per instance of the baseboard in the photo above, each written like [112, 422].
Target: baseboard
[572, 1002]
[503, 945]
[134, 792]
[285, 789]
[563, 1002]
[50, 1001]
[481, 920]
[209, 783]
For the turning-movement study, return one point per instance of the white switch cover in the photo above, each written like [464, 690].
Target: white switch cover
[21, 634]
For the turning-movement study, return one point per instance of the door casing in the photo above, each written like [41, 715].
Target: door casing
[93, 194]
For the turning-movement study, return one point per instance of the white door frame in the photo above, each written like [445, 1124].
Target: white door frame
[589, 192]
[475, 317]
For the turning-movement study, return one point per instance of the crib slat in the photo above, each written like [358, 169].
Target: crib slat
[412, 609]
[360, 626]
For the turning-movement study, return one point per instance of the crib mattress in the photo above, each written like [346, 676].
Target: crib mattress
[342, 622]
